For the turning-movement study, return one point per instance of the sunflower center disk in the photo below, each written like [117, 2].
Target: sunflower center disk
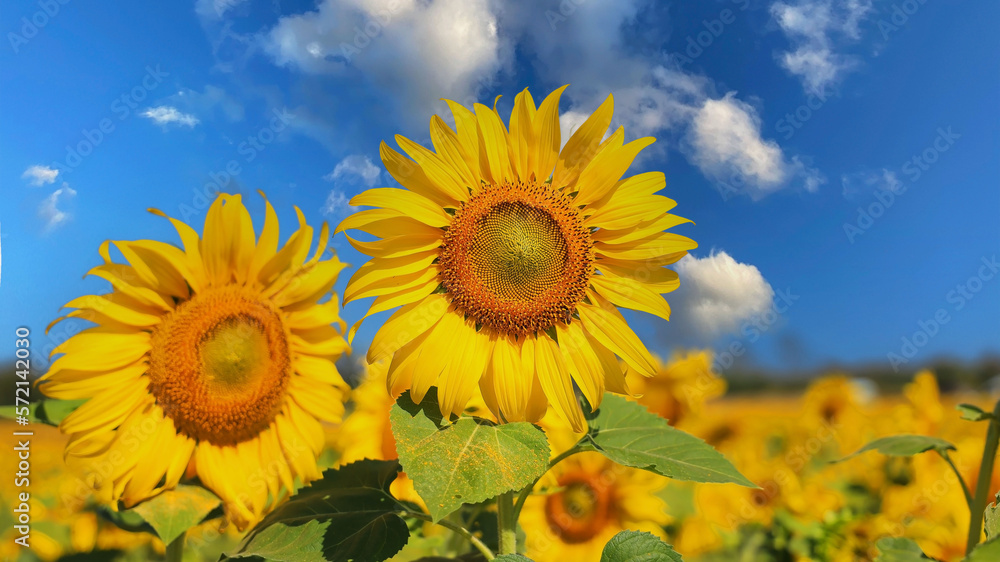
[580, 511]
[517, 258]
[219, 365]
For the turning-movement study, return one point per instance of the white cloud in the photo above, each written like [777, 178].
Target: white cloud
[814, 28]
[869, 181]
[358, 166]
[718, 294]
[206, 102]
[49, 210]
[40, 175]
[336, 204]
[215, 9]
[165, 114]
[423, 50]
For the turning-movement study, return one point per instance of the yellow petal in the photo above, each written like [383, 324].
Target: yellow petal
[378, 270]
[629, 293]
[583, 363]
[437, 170]
[654, 246]
[406, 324]
[192, 249]
[546, 133]
[555, 380]
[322, 401]
[633, 231]
[108, 409]
[386, 223]
[613, 332]
[583, 145]
[511, 378]
[493, 139]
[406, 203]
[458, 381]
[448, 147]
[410, 175]
[603, 172]
[398, 245]
[267, 245]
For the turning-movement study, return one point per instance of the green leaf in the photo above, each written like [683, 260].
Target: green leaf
[628, 434]
[349, 514]
[899, 549]
[988, 551]
[973, 413]
[53, 412]
[992, 518]
[636, 546]
[904, 446]
[512, 558]
[468, 461]
[175, 511]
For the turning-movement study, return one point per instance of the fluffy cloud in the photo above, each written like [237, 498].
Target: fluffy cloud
[355, 166]
[728, 147]
[165, 114]
[40, 175]
[49, 210]
[206, 102]
[868, 181]
[422, 50]
[336, 205]
[814, 27]
[718, 294]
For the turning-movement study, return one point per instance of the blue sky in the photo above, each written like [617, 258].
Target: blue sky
[839, 158]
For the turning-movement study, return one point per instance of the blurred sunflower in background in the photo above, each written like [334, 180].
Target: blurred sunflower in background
[587, 499]
[511, 257]
[214, 360]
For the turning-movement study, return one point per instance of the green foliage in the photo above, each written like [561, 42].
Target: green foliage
[636, 546]
[628, 434]
[992, 518]
[512, 558]
[175, 511]
[347, 515]
[50, 412]
[973, 413]
[466, 461]
[899, 549]
[905, 446]
[988, 551]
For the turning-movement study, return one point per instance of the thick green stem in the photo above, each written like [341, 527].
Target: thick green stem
[507, 523]
[580, 447]
[175, 550]
[983, 481]
[456, 528]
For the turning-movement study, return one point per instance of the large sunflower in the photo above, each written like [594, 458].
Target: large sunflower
[214, 360]
[510, 257]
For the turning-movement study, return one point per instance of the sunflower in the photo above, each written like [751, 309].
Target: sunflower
[215, 361]
[681, 387]
[585, 500]
[510, 258]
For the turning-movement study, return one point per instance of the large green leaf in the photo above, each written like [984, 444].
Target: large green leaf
[175, 511]
[630, 435]
[636, 546]
[988, 551]
[347, 515]
[512, 558]
[466, 461]
[904, 446]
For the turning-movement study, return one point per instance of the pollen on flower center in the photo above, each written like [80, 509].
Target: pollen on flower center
[517, 257]
[219, 365]
[580, 510]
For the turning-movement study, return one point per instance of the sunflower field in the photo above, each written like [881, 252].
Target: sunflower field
[505, 409]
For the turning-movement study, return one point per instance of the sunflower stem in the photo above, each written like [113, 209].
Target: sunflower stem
[983, 480]
[580, 447]
[507, 523]
[175, 550]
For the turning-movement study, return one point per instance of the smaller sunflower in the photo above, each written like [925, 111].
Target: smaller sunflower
[680, 387]
[215, 361]
[587, 499]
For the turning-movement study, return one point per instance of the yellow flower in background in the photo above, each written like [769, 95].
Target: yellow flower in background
[510, 258]
[681, 387]
[215, 361]
[585, 500]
